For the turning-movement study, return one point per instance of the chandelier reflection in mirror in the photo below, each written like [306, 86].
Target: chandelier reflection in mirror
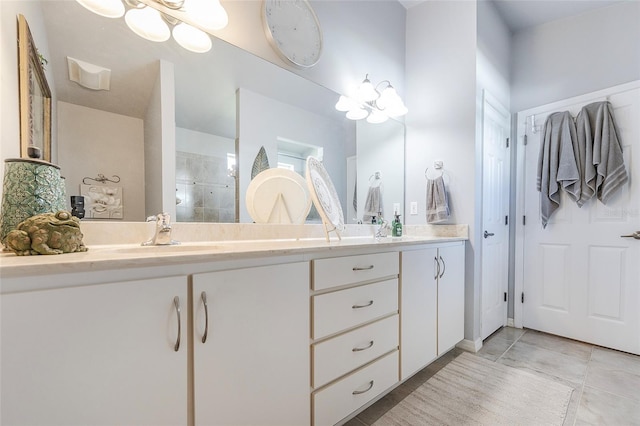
[151, 24]
[372, 103]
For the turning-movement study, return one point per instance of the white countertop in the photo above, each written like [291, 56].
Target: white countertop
[133, 255]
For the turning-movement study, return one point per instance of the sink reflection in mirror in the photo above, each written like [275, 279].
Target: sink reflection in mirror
[168, 106]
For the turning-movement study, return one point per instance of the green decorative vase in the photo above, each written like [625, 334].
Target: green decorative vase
[30, 187]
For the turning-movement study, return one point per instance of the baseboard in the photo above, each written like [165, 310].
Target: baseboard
[510, 322]
[470, 345]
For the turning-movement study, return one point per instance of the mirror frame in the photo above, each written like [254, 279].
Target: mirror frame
[35, 97]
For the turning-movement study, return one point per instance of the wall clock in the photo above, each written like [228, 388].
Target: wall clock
[293, 29]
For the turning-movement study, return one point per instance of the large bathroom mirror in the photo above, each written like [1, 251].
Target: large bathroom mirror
[181, 130]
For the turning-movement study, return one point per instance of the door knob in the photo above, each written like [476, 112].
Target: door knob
[488, 234]
[635, 235]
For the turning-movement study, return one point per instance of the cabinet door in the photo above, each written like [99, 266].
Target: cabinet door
[418, 309]
[450, 296]
[100, 355]
[254, 366]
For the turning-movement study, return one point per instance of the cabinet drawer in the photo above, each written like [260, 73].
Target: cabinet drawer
[333, 312]
[345, 270]
[339, 355]
[335, 402]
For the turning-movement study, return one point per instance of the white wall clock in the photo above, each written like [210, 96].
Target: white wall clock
[293, 29]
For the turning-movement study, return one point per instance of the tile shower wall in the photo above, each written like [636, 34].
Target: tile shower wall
[204, 190]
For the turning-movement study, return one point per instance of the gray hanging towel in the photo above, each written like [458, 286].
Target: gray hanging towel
[604, 169]
[373, 204]
[437, 201]
[557, 163]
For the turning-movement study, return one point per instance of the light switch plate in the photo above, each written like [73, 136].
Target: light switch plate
[414, 207]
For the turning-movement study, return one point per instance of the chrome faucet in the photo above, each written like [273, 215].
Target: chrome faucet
[162, 236]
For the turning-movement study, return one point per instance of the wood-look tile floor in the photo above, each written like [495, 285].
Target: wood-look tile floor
[606, 382]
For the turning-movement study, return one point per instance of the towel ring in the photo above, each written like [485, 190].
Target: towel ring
[427, 177]
[376, 176]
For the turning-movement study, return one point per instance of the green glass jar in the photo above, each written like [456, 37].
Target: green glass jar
[30, 187]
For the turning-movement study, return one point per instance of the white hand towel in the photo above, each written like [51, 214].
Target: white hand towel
[437, 201]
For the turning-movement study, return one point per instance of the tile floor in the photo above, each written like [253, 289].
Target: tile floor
[606, 383]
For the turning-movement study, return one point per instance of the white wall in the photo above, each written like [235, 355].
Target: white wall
[577, 55]
[360, 37]
[441, 75]
[160, 145]
[99, 142]
[381, 149]
[256, 117]
[203, 143]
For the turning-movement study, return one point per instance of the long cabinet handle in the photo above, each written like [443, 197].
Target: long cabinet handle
[635, 235]
[363, 348]
[444, 267]
[362, 306]
[176, 303]
[365, 268]
[203, 296]
[359, 392]
[436, 266]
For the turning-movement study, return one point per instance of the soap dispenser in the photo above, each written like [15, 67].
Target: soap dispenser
[396, 226]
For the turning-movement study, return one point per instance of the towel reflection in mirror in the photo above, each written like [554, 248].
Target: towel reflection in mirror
[373, 205]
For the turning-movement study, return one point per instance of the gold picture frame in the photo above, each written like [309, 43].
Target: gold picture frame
[35, 98]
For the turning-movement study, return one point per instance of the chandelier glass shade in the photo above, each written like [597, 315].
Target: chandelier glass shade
[371, 103]
[151, 24]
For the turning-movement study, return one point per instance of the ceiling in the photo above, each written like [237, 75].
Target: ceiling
[521, 14]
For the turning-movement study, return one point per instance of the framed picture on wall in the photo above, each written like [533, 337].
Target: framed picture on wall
[35, 98]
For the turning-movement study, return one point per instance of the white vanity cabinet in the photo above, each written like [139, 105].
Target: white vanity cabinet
[355, 333]
[113, 353]
[251, 346]
[432, 303]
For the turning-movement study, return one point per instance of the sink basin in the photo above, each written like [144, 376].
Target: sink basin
[168, 249]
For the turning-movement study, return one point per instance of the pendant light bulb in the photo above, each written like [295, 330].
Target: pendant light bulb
[357, 114]
[366, 91]
[207, 14]
[191, 38]
[106, 8]
[148, 24]
[345, 104]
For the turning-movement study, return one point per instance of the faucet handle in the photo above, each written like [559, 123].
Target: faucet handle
[164, 219]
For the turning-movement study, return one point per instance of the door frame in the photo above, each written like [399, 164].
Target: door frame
[524, 126]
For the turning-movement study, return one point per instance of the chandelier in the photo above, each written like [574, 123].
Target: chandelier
[151, 24]
[371, 103]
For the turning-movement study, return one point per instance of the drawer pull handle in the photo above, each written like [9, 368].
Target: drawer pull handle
[359, 392]
[363, 306]
[203, 296]
[176, 303]
[360, 268]
[363, 349]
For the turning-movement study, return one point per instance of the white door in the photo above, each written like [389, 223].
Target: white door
[580, 279]
[495, 215]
